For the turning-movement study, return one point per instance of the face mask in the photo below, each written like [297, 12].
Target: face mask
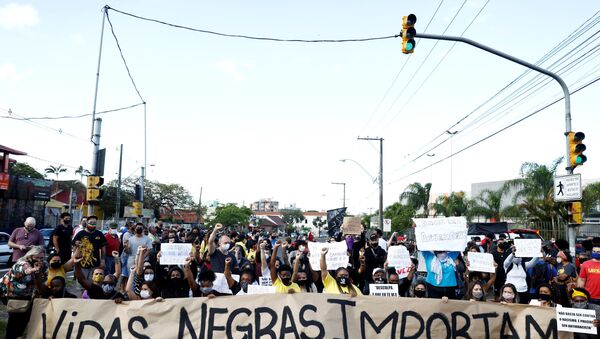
[379, 281]
[343, 281]
[478, 243]
[206, 290]
[301, 248]
[98, 278]
[177, 281]
[148, 277]
[302, 282]
[107, 288]
[581, 304]
[244, 286]
[286, 281]
[559, 260]
[419, 293]
[595, 255]
[442, 256]
[67, 222]
[545, 297]
[55, 265]
[225, 247]
[477, 294]
[139, 230]
[144, 294]
[508, 296]
[91, 227]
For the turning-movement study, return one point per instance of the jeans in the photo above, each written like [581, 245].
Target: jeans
[109, 265]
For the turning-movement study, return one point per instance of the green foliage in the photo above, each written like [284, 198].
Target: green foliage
[292, 216]
[401, 216]
[56, 170]
[417, 197]
[454, 205]
[24, 170]
[488, 204]
[591, 198]
[231, 215]
[82, 172]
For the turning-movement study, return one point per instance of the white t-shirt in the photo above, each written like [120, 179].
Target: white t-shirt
[518, 277]
[383, 244]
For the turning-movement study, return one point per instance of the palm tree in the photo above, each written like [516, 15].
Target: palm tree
[417, 197]
[488, 204]
[454, 205]
[82, 172]
[57, 170]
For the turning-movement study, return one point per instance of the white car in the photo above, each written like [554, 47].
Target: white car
[5, 251]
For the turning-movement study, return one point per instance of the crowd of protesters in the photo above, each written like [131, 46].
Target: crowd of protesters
[125, 264]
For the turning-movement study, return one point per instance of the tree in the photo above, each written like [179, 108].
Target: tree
[56, 170]
[292, 216]
[82, 172]
[24, 170]
[109, 199]
[591, 198]
[401, 216]
[417, 197]
[488, 204]
[454, 205]
[231, 215]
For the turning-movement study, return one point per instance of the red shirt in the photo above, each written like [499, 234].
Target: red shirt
[20, 236]
[112, 244]
[590, 271]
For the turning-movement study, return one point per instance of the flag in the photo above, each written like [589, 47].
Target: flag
[335, 218]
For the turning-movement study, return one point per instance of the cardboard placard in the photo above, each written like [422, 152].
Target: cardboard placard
[481, 262]
[575, 320]
[352, 225]
[526, 248]
[174, 254]
[441, 234]
[265, 281]
[399, 258]
[383, 290]
[336, 257]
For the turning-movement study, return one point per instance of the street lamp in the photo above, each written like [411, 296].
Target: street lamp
[361, 166]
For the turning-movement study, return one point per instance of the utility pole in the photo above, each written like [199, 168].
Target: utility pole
[451, 136]
[380, 177]
[343, 184]
[96, 142]
[142, 179]
[118, 207]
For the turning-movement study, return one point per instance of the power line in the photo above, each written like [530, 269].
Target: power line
[241, 36]
[52, 162]
[40, 125]
[497, 132]
[69, 116]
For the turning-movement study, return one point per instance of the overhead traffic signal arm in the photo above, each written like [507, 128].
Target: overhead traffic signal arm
[576, 149]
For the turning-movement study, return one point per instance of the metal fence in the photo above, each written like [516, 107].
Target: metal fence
[558, 229]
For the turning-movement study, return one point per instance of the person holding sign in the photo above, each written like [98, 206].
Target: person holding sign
[516, 274]
[282, 277]
[441, 273]
[341, 284]
[580, 299]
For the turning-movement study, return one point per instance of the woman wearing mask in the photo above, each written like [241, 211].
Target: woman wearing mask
[441, 274]
[56, 290]
[171, 284]
[566, 274]
[148, 290]
[544, 296]
[579, 298]
[341, 284]
[516, 274]
[282, 276]
[509, 294]
[18, 287]
[420, 290]
[475, 291]
[304, 275]
[56, 267]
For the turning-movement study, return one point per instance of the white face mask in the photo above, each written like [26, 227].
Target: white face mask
[148, 277]
[478, 243]
[508, 296]
[225, 247]
[559, 260]
[144, 294]
[301, 248]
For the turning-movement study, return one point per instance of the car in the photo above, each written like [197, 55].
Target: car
[47, 233]
[5, 251]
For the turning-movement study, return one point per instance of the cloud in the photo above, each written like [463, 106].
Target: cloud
[230, 68]
[18, 16]
[9, 72]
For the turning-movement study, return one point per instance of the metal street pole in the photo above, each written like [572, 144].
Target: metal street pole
[380, 177]
[142, 179]
[554, 76]
[343, 184]
[118, 207]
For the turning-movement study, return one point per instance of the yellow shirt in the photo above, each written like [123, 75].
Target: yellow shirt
[331, 286]
[281, 288]
[59, 272]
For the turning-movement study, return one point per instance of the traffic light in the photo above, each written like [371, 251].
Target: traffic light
[93, 193]
[576, 148]
[137, 208]
[408, 33]
[574, 211]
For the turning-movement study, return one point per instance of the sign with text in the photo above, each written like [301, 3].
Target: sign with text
[174, 254]
[576, 320]
[313, 315]
[259, 289]
[481, 262]
[567, 187]
[265, 281]
[336, 257]
[4, 180]
[399, 258]
[387, 225]
[352, 225]
[441, 234]
[527, 248]
[383, 290]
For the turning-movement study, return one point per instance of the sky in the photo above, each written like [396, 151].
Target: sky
[250, 119]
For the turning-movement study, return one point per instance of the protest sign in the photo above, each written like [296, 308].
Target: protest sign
[576, 320]
[265, 281]
[258, 289]
[528, 248]
[352, 225]
[174, 254]
[335, 258]
[309, 315]
[481, 262]
[383, 290]
[220, 284]
[399, 258]
[422, 267]
[441, 234]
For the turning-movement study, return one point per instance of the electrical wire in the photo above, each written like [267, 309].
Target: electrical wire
[240, 36]
[52, 162]
[70, 116]
[40, 125]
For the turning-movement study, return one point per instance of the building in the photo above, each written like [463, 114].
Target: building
[265, 205]
[310, 221]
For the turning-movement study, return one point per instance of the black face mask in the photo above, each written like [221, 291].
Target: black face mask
[302, 282]
[286, 281]
[419, 293]
[177, 281]
[56, 264]
[67, 222]
[343, 281]
[545, 297]
[139, 230]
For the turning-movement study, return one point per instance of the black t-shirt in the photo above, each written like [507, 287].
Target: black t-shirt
[91, 243]
[96, 292]
[64, 234]
[217, 261]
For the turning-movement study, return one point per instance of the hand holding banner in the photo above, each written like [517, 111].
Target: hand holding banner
[481, 262]
[399, 258]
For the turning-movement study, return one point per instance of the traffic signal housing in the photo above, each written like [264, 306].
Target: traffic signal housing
[574, 211]
[93, 193]
[408, 33]
[576, 149]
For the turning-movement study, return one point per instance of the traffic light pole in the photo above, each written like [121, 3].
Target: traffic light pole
[380, 178]
[521, 62]
[96, 142]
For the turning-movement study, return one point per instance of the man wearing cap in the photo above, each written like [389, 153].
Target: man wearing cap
[589, 276]
[378, 277]
[374, 256]
[580, 299]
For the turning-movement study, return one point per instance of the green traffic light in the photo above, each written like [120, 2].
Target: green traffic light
[410, 45]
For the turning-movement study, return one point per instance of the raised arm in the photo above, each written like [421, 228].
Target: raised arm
[272, 262]
[263, 257]
[532, 262]
[393, 236]
[296, 267]
[40, 284]
[323, 263]
[130, 293]
[508, 260]
[117, 259]
[189, 275]
[227, 273]
[86, 284]
[212, 238]
[284, 254]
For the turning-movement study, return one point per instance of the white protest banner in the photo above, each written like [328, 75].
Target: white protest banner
[258, 289]
[352, 225]
[422, 267]
[576, 320]
[481, 262]
[441, 234]
[399, 258]
[265, 281]
[174, 254]
[383, 290]
[220, 284]
[336, 257]
[528, 248]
